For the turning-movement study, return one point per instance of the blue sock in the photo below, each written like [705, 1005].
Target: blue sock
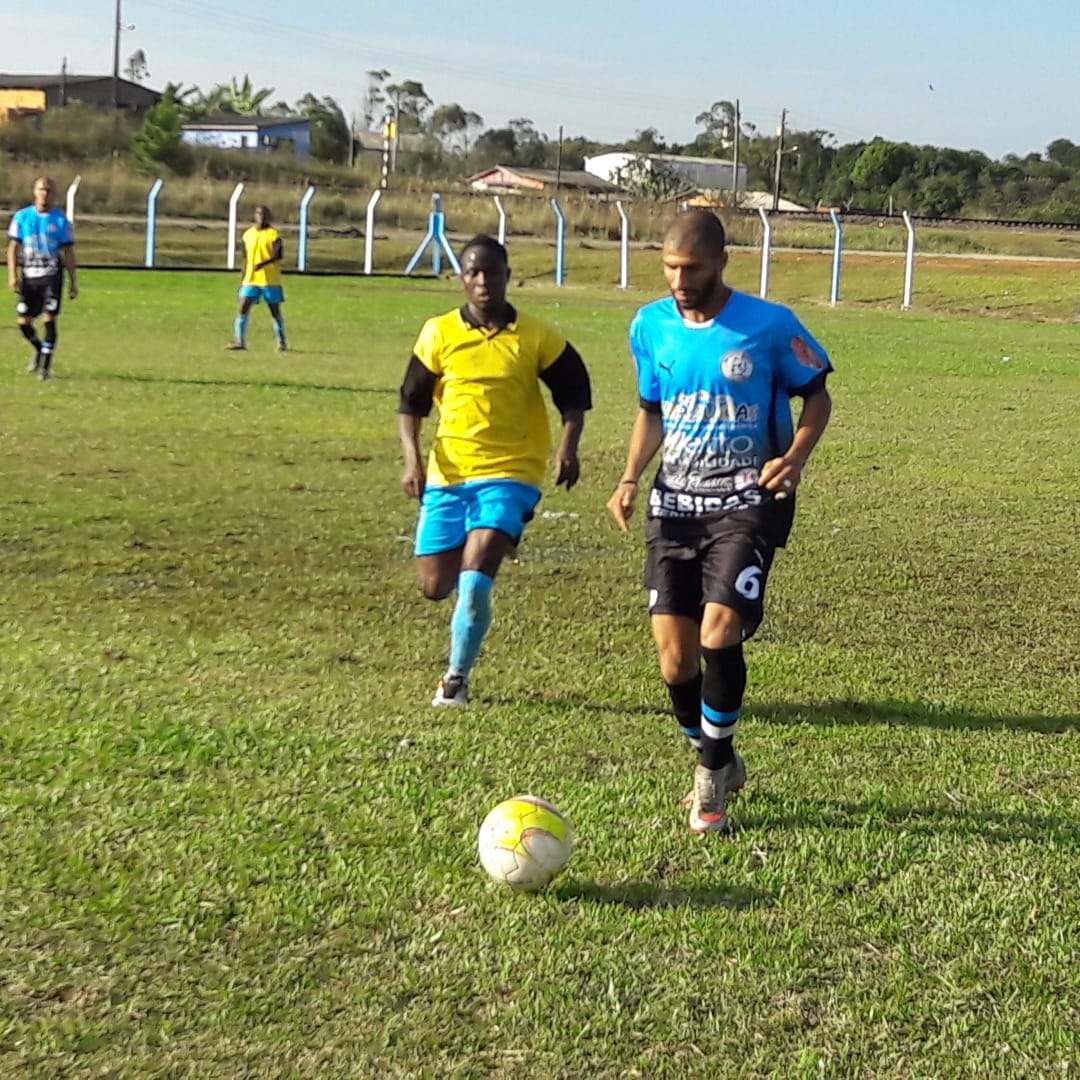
[240, 328]
[279, 330]
[470, 621]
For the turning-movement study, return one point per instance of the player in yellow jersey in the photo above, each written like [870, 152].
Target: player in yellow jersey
[263, 252]
[482, 365]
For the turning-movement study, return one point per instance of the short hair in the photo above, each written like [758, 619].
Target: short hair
[265, 209]
[697, 229]
[489, 243]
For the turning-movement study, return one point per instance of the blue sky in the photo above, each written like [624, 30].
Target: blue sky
[1004, 80]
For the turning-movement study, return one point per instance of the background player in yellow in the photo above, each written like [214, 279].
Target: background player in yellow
[482, 365]
[263, 252]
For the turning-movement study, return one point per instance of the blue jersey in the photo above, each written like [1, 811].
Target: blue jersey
[722, 389]
[42, 236]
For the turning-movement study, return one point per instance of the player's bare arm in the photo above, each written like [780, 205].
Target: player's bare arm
[646, 437]
[412, 476]
[783, 474]
[13, 264]
[567, 463]
[68, 253]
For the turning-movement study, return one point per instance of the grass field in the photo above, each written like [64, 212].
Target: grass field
[236, 842]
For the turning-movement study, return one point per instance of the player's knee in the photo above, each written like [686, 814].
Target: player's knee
[677, 663]
[721, 627]
[435, 588]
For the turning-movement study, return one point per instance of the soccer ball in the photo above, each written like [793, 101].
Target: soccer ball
[524, 843]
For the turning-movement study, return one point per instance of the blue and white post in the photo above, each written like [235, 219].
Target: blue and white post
[436, 238]
[766, 252]
[624, 247]
[72, 190]
[151, 219]
[560, 242]
[369, 231]
[502, 220]
[230, 254]
[909, 266]
[301, 247]
[837, 251]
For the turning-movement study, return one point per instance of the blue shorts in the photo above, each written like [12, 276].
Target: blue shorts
[448, 514]
[272, 294]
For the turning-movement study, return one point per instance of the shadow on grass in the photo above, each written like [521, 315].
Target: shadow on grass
[261, 384]
[829, 713]
[936, 819]
[908, 714]
[643, 896]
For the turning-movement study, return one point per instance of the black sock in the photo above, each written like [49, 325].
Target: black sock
[686, 705]
[28, 333]
[722, 689]
[49, 345]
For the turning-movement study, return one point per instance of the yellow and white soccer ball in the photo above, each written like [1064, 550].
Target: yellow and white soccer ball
[524, 842]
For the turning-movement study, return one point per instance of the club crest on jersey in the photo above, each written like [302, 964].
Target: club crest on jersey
[737, 366]
[805, 355]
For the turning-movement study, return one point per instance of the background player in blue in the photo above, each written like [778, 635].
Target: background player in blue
[715, 368]
[41, 240]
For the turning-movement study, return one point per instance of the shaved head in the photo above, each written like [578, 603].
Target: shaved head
[696, 231]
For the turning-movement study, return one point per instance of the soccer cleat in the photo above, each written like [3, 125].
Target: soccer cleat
[282, 347]
[709, 799]
[43, 372]
[35, 363]
[452, 690]
[236, 346]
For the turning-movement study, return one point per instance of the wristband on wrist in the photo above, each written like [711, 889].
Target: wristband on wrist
[625, 483]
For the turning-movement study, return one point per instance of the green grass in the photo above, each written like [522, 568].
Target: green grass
[235, 841]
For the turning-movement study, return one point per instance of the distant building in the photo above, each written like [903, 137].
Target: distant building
[510, 179]
[21, 95]
[701, 173]
[231, 132]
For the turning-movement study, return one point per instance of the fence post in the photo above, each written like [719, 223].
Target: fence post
[151, 219]
[73, 188]
[909, 265]
[369, 230]
[301, 249]
[838, 247]
[624, 247]
[766, 253]
[230, 253]
[502, 220]
[560, 242]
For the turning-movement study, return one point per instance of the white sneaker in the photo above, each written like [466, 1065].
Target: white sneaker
[709, 799]
[452, 690]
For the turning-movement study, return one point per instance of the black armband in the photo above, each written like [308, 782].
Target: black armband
[568, 381]
[418, 390]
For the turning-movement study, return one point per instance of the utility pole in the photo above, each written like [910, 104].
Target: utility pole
[558, 163]
[779, 159]
[63, 83]
[735, 158]
[116, 60]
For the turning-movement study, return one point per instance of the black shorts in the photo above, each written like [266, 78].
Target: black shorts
[725, 562]
[40, 296]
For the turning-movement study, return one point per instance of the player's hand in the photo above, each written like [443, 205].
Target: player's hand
[621, 504]
[567, 468]
[781, 476]
[412, 481]
[73, 291]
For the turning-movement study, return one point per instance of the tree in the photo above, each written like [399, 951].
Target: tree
[646, 141]
[137, 69]
[160, 142]
[375, 104]
[881, 164]
[329, 129]
[410, 104]
[235, 97]
[648, 178]
[451, 124]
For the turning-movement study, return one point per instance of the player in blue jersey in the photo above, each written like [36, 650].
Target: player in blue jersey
[716, 369]
[41, 240]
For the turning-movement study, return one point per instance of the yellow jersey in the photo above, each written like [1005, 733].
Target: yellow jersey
[258, 247]
[493, 423]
